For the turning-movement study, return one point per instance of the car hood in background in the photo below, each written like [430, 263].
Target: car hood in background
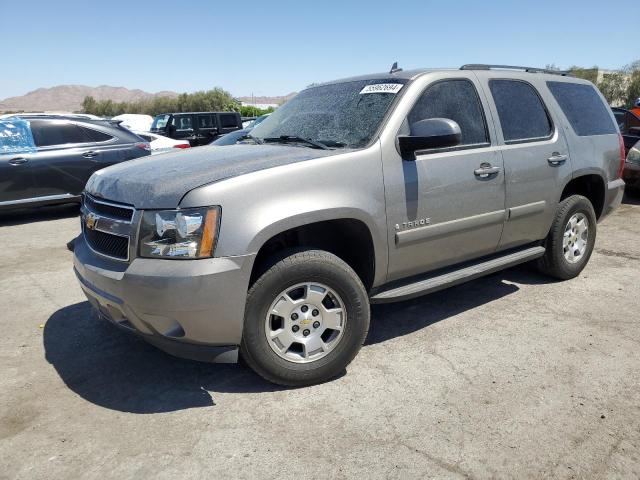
[161, 181]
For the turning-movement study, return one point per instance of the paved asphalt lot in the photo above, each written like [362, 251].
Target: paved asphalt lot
[510, 376]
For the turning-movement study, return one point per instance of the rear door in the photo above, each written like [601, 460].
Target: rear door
[535, 153]
[66, 157]
[207, 128]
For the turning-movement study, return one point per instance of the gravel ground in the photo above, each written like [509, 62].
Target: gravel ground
[509, 376]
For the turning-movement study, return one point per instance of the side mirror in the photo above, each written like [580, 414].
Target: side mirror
[430, 133]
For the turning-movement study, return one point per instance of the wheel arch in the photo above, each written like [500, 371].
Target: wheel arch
[347, 235]
[590, 184]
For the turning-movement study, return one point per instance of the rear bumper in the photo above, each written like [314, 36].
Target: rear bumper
[612, 197]
[189, 308]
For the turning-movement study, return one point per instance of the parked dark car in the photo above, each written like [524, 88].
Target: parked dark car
[64, 152]
[631, 173]
[199, 128]
[629, 124]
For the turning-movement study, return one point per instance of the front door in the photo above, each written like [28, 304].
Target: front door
[446, 206]
[183, 128]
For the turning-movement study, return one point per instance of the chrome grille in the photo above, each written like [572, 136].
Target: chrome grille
[108, 209]
[107, 227]
[107, 244]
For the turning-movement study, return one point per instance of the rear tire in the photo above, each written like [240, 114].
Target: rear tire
[571, 239]
[306, 318]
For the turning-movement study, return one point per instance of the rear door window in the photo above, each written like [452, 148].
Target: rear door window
[183, 122]
[523, 116]
[50, 133]
[456, 100]
[205, 121]
[583, 107]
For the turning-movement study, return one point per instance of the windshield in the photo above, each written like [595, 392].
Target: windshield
[159, 122]
[338, 115]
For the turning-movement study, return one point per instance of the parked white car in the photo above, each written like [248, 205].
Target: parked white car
[160, 144]
[135, 121]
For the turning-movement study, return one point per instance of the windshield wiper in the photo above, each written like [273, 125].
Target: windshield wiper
[295, 139]
[248, 136]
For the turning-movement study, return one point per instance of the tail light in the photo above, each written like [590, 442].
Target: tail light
[144, 146]
[622, 156]
[182, 145]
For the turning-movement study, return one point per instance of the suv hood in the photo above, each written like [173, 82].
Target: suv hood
[160, 181]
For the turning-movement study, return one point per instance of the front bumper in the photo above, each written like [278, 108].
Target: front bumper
[631, 174]
[189, 308]
[612, 197]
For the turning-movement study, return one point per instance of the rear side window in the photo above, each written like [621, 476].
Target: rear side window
[583, 107]
[46, 134]
[95, 135]
[228, 120]
[456, 100]
[522, 114]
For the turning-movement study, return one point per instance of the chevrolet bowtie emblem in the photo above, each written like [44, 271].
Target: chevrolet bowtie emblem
[90, 221]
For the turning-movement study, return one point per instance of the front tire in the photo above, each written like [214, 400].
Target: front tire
[571, 239]
[306, 318]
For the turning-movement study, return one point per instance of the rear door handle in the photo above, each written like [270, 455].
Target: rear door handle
[18, 161]
[556, 159]
[90, 154]
[486, 170]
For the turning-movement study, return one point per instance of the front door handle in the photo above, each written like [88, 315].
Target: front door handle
[556, 159]
[18, 161]
[486, 170]
[90, 154]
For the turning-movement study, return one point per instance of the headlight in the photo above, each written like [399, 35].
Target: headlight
[634, 155]
[188, 233]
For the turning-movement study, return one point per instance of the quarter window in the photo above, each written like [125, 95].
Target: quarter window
[522, 114]
[583, 107]
[228, 120]
[456, 100]
[95, 135]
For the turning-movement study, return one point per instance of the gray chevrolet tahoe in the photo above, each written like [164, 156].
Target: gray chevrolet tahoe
[376, 188]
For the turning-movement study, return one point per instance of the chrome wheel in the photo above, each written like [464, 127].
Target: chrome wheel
[576, 237]
[305, 322]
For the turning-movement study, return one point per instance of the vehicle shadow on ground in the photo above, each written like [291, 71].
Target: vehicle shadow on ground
[20, 217]
[119, 371]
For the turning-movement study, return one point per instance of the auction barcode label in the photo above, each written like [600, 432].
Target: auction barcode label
[382, 88]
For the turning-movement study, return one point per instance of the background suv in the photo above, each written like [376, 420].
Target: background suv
[199, 128]
[68, 150]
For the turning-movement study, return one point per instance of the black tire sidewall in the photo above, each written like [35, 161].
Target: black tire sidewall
[293, 270]
[568, 208]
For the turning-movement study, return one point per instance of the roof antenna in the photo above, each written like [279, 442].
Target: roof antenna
[394, 68]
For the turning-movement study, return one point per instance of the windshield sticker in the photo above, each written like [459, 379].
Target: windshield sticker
[381, 88]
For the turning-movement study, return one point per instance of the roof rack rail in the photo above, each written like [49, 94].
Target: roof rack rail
[483, 66]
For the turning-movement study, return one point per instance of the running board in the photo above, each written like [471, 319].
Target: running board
[440, 281]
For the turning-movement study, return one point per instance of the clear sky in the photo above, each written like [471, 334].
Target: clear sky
[275, 47]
